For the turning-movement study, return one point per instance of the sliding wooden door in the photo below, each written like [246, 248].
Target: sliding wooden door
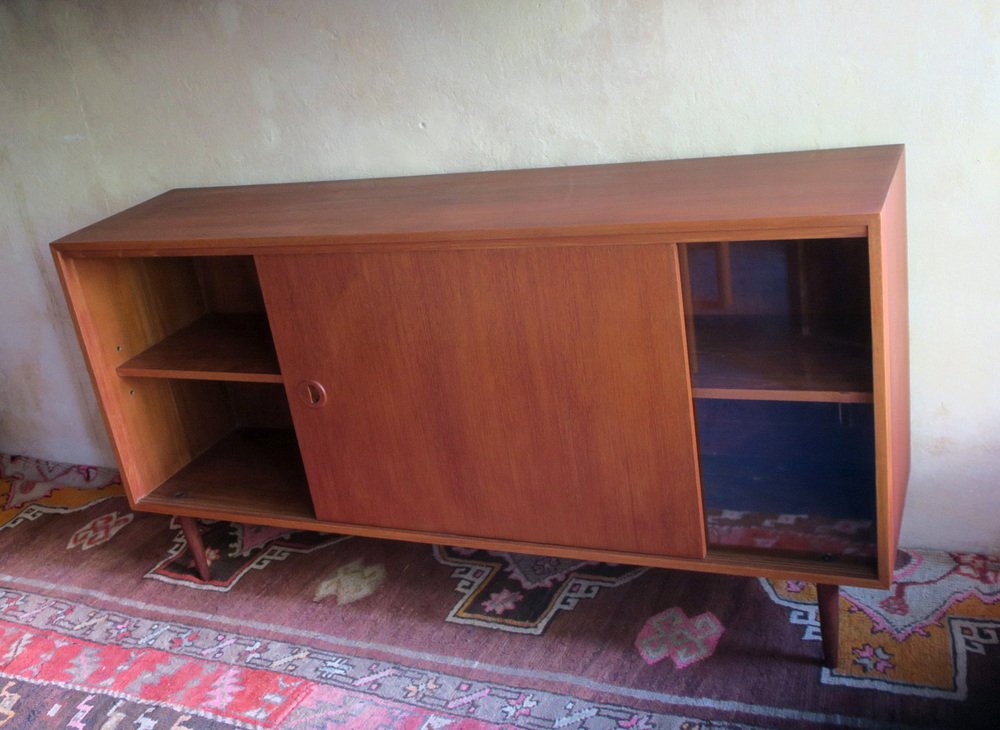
[533, 394]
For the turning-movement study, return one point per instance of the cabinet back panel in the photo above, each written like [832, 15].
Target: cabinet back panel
[260, 405]
[535, 395]
[229, 284]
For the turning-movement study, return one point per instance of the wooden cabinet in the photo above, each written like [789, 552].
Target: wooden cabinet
[697, 364]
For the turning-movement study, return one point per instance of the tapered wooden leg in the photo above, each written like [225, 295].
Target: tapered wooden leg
[193, 536]
[828, 597]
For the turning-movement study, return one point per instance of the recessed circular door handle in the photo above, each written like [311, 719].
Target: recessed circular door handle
[312, 393]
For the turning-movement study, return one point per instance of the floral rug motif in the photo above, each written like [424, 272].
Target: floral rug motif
[233, 549]
[916, 637]
[522, 593]
[684, 640]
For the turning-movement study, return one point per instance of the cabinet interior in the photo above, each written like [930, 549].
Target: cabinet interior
[780, 349]
[220, 331]
[779, 320]
[182, 348]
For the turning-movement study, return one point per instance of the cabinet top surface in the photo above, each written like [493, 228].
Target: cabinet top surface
[831, 187]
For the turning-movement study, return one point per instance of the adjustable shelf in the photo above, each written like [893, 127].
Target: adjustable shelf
[230, 347]
[761, 358]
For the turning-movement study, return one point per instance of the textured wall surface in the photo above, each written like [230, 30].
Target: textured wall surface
[105, 104]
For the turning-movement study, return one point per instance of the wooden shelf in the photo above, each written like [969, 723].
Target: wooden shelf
[761, 358]
[251, 472]
[233, 347]
[762, 561]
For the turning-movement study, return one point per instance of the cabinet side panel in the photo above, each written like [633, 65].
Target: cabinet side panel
[892, 371]
[532, 395]
[121, 307]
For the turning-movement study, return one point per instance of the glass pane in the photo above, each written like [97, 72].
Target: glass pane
[780, 316]
[780, 343]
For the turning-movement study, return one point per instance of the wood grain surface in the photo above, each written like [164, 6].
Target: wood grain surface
[784, 190]
[235, 347]
[536, 395]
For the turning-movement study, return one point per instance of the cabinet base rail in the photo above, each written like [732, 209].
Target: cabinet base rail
[827, 596]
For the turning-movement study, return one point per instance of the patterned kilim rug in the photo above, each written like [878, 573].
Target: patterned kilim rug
[104, 625]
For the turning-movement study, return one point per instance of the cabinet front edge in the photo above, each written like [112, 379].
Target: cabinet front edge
[468, 240]
[735, 564]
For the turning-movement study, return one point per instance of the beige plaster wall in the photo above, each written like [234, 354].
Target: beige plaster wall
[103, 104]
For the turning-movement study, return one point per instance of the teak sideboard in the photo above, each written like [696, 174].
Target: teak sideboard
[694, 364]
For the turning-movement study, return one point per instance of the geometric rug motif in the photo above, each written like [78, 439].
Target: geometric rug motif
[522, 593]
[69, 664]
[685, 640]
[30, 488]
[233, 549]
[99, 530]
[924, 587]
[916, 637]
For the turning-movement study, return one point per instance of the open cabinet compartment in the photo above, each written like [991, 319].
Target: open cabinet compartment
[181, 353]
[781, 360]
